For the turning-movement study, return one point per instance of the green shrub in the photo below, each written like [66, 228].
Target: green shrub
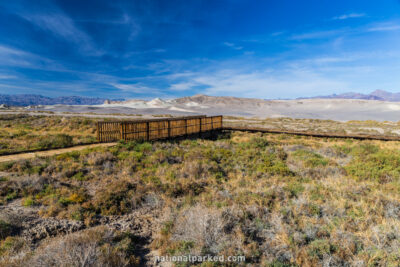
[73, 155]
[259, 142]
[6, 229]
[310, 159]
[6, 165]
[371, 163]
[28, 202]
[11, 196]
[116, 200]
[79, 176]
[319, 247]
[294, 189]
[277, 263]
[167, 227]
[56, 141]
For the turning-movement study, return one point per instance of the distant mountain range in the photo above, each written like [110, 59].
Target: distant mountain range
[375, 95]
[33, 100]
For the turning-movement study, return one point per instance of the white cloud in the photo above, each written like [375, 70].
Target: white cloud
[316, 34]
[183, 86]
[135, 88]
[233, 46]
[349, 16]
[384, 27]
[267, 85]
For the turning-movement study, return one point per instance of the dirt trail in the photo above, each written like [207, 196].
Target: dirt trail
[50, 152]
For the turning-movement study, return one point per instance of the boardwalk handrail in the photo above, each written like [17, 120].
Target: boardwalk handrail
[154, 129]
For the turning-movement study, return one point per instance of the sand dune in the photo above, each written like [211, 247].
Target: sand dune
[335, 109]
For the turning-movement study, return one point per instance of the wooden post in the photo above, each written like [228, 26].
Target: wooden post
[169, 129]
[186, 127]
[200, 125]
[148, 130]
[97, 132]
[121, 130]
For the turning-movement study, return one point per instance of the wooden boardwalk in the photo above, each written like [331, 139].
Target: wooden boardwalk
[314, 134]
[148, 130]
[156, 129]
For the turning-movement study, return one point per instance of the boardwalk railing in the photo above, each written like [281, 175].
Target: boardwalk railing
[156, 128]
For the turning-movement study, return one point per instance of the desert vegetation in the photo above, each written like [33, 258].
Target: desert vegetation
[367, 127]
[24, 133]
[278, 200]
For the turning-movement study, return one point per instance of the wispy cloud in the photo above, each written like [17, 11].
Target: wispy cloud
[135, 88]
[340, 32]
[233, 46]
[10, 56]
[383, 27]
[349, 16]
[64, 27]
[7, 77]
[182, 86]
[268, 85]
[316, 35]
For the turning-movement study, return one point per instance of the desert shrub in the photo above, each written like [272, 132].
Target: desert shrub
[80, 176]
[201, 227]
[5, 229]
[4, 166]
[259, 142]
[309, 158]
[117, 199]
[69, 156]
[275, 167]
[22, 186]
[132, 155]
[10, 246]
[98, 158]
[94, 247]
[320, 247]
[135, 145]
[28, 202]
[294, 189]
[371, 163]
[278, 263]
[56, 141]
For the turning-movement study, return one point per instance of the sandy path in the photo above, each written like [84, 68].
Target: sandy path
[50, 152]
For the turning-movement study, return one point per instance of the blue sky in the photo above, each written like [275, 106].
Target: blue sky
[145, 49]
